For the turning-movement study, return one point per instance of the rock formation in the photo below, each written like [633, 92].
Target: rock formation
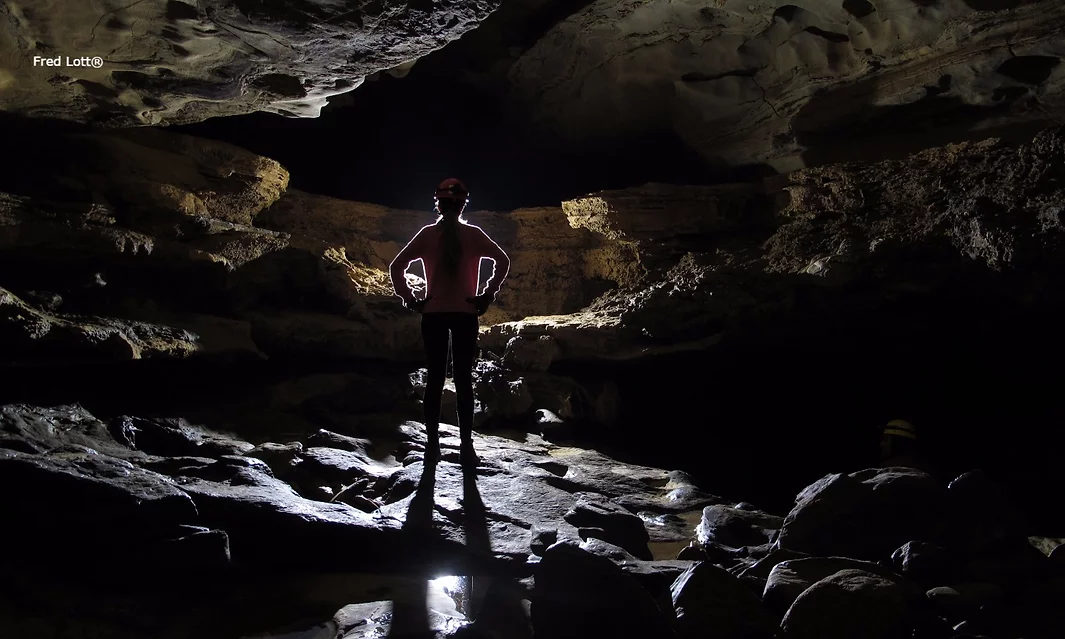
[173, 62]
[974, 219]
[562, 536]
[792, 84]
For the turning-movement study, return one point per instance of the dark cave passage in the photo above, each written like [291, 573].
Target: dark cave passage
[425, 129]
[760, 420]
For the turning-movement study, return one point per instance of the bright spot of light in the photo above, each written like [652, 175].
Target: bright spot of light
[448, 584]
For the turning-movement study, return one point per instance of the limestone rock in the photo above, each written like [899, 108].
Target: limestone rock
[175, 437]
[736, 528]
[962, 600]
[866, 515]
[175, 62]
[157, 172]
[611, 523]
[791, 578]
[555, 268]
[924, 563]
[787, 85]
[983, 512]
[961, 219]
[709, 599]
[26, 332]
[662, 219]
[849, 603]
[530, 354]
[578, 594]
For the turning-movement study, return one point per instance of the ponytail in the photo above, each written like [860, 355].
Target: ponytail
[450, 241]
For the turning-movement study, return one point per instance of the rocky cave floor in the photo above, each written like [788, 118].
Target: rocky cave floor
[303, 506]
[164, 527]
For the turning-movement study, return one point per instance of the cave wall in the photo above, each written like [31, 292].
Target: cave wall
[793, 84]
[168, 62]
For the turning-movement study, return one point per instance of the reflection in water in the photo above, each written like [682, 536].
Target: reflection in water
[442, 602]
[410, 612]
[669, 549]
[475, 525]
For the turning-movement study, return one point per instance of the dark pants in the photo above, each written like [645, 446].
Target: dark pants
[462, 328]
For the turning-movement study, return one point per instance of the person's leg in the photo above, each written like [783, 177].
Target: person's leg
[434, 336]
[463, 351]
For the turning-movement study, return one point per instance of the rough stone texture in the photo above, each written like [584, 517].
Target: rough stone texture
[707, 597]
[578, 594]
[789, 84]
[28, 332]
[849, 603]
[866, 515]
[155, 227]
[970, 219]
[791, 578]
[637, 278]
[154, 172]
[659, 220]
[555, 267]
[172, 62]
[736, 527]
[189, 474]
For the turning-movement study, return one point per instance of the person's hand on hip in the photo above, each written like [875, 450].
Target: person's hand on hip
[481, 302]
[416, 305]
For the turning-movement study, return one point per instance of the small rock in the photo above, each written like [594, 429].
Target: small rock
[619, 526]
[924, 563]
[735, 527]
[542, 538]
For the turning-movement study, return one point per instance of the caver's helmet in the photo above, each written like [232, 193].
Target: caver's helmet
[900, 428]
[451, 194]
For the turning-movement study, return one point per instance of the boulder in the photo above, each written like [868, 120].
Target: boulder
[867, 514]
[596, 517]
[578, 594]
[791, 578]
[710, 600]
[849, 603]
[983, 513]
[736, 528]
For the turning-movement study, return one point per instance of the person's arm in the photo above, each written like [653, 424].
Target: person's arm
[397, 270]
[501, 266]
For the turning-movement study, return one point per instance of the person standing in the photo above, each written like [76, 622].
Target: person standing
[450, 250]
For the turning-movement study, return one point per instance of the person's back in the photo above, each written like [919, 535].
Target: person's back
[451, 252]
[448, 292]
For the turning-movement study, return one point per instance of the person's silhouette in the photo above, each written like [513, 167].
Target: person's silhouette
[450, 250]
